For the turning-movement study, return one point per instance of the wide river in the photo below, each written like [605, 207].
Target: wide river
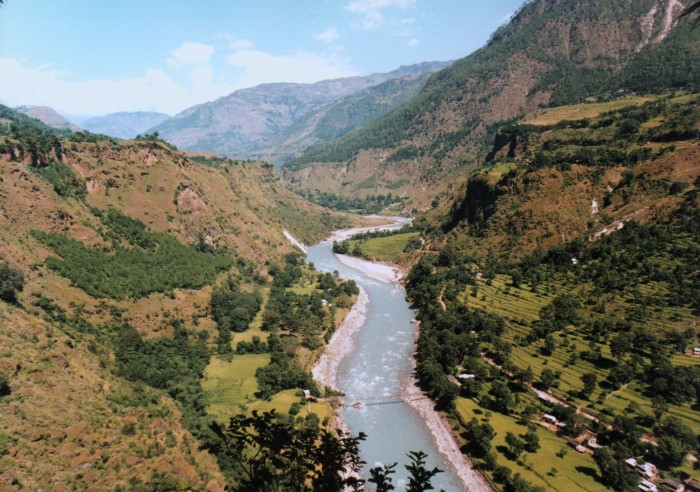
[374, 374]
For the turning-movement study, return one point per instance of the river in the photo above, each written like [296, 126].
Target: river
[375, 375]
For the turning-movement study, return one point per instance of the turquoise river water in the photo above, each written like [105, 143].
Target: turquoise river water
[375, 373]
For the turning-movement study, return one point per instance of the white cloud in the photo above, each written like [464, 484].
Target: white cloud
[412, 42]
[300, 67]
[328, 36]
[189, 54]
[194, 59]
[154, 91]
[241, 44]
[371, 10]
[187, 77]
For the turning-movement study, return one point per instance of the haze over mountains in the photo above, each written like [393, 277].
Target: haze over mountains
[124, 124]
[236, 125]
[48, 116]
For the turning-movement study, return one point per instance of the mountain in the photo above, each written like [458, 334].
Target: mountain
[337, 118]
[561, 281]
[124, 124]
[110, 254]
[233, 125]
[552, 52]
[48, 116]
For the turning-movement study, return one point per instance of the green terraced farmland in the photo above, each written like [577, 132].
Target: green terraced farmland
[574, 471]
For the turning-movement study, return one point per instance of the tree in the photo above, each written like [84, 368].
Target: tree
[380, 477]
[620, 346]
[516, 446]
[549, 345]
[548, 378]
[532, 439]
[614, 473]
[270, 452]
[589, 383]
[479, 437]
[11, 282]
[4, 385]
[420, 476]
[503, 400]
[659, 406]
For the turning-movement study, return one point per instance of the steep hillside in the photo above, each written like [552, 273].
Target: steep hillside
[110, 252]
[124, 124]
[48, 116]
[562, 285]
[553, 52]
[232, 125]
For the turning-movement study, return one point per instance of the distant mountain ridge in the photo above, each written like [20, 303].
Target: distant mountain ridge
[48, 116]
[124, 124]
[338, 118]
[234, 124]
[552, 52]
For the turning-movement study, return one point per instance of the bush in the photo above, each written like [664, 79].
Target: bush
[11, 282]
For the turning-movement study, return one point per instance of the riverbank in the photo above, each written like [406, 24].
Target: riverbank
[342, 345]
[325, 371]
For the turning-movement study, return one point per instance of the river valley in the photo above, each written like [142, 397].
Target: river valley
[374, 371]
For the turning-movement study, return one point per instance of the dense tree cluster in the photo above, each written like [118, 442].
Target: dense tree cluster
[369, 204]
[175, 364]
[233, 310]
[152, 261]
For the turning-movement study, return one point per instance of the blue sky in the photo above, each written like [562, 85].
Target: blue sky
[90, 57]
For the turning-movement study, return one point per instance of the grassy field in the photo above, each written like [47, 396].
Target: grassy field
[231, 384]
[552, 116]
[385, 248]
[574, 471]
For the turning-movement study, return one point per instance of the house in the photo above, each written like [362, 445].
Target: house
[574, 261]
[645, 469]
[479, 275]
[466, 375]
[692, 485]
[647, 486]
[672, 485]
[550, 418]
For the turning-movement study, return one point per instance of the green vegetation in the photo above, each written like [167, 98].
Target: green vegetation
[152, 261]
[380, 246]
[233, 310]
[608, 342]
[64, 180]
[174, 364]
[11, 282]
[370, 204]
[660, 67]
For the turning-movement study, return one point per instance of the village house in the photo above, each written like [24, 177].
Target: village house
[645, 469]
[672, 485]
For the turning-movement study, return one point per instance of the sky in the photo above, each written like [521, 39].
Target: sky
[94, 57]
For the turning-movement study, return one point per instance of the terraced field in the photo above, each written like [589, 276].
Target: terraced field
[519, 307]
[572, 472]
